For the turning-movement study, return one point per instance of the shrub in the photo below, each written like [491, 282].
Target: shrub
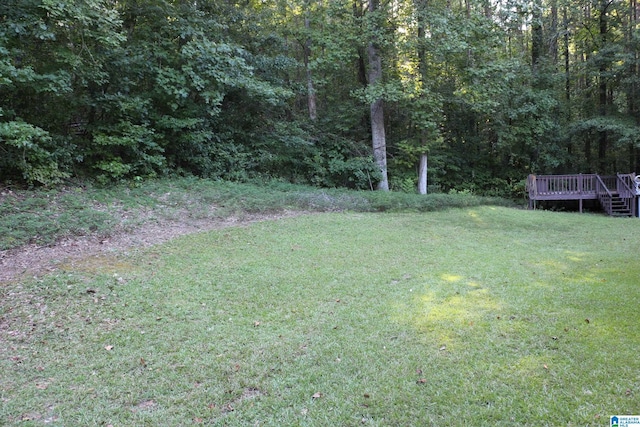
[28, 151]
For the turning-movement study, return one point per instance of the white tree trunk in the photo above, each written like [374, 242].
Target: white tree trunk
[422, 175]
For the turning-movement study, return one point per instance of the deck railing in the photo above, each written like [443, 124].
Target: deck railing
[604, 194]
[558, 187]
[626, 192]
[626, 185]
[616, 193]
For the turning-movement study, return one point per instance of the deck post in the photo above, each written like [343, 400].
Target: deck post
[580, 186]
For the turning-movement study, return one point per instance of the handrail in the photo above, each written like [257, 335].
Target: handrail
[627, 192]
[622, 179]
[600, 183]
[605, 199]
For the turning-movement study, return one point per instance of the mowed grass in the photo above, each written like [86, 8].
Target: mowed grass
[477, 316]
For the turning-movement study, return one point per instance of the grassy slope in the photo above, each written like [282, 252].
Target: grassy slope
[45, 216]
[476, 316]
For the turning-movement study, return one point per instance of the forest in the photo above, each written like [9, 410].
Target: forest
[331, 93]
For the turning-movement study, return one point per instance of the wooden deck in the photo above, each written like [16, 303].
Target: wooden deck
[617, 194]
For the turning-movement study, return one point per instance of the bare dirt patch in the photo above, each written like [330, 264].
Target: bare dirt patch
[33, 261]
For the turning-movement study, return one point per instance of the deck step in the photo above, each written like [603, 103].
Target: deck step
[620, 207]
[616, 193]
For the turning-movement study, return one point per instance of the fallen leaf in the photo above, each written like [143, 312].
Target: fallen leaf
[317, 395]
[108, 347]
[42, 386]
[338, 300]
[419, 371]
[587, 320]
[366, 395]
[628, 392]
[197, 420]
[143, 362]
[422, 381]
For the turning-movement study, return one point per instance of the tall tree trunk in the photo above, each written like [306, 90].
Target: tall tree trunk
[602, 86]
[633, 69]
[553, 39]
[378, 137]
[537, 37]
[421, 10]
[311, 93]
[634, 74]
[567, 69]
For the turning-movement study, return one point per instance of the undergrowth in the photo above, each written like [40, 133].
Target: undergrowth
[45, 216]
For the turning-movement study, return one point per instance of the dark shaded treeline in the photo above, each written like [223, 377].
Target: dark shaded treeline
[491, 92]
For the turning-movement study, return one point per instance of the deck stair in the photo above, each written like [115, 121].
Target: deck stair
[619, 206]
[616, 194]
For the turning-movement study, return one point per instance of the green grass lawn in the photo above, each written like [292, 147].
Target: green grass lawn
[475, 316]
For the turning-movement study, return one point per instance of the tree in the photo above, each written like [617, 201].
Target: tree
[378, 137]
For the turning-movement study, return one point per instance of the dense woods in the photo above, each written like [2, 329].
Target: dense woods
[327, 92]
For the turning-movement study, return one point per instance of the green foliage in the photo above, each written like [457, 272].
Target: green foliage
[27, 149]
[622, 130]
[134, 89]
[405, 185]
[127, 151]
